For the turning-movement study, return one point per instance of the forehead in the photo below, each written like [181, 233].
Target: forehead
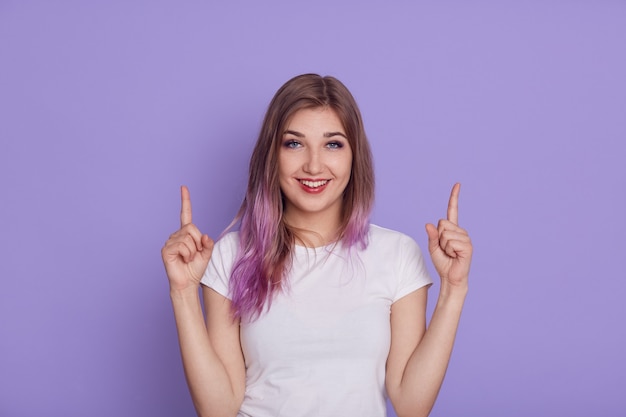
[317, 119]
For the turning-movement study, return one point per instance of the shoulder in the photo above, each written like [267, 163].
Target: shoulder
[392, 244]
[220, 266]
[228, 239]
[380, 235]
[403, 257]
[227, 245]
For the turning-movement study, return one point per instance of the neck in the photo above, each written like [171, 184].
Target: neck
[313, 230]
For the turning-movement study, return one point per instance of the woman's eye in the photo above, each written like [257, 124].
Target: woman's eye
[291, 144]
[334, 145]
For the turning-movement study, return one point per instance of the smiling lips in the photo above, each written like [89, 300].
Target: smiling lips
[313, 186]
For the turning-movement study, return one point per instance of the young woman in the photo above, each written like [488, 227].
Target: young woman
[310, 310]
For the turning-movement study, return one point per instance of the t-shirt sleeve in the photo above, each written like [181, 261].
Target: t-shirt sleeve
[217, 274]
[412, 271]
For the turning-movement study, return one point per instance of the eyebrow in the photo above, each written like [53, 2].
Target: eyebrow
[326, 135]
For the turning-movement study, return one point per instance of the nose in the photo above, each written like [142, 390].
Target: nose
[313, 163]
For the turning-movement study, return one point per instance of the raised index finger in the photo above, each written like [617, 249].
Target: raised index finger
[185, 207]
[453, 204]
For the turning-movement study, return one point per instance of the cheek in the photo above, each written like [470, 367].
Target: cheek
[346, 165]
[283, 165]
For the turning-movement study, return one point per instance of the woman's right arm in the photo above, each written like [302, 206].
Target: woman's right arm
[211, 349]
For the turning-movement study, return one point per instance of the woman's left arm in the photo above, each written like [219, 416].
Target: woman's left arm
[419, 357]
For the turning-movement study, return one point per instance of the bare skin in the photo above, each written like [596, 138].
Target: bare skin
[314, 166]
[210, 349]
[419, 357]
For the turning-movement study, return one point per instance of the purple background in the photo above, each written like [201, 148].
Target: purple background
[107, 107]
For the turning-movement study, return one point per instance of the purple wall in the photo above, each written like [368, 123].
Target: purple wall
[105, 109]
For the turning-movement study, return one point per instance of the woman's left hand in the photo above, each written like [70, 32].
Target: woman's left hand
[450, 246]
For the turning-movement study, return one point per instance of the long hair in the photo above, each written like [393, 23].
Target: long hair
[266, 242]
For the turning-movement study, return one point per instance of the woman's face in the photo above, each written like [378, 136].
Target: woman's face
[314, 165]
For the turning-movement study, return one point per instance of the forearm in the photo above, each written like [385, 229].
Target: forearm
[209, 383]
[426, 368]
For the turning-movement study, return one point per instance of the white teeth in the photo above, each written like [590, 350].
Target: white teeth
[314, 184]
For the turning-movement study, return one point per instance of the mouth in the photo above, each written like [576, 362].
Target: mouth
[313, 184]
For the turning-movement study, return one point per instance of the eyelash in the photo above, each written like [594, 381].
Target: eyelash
[293, 144]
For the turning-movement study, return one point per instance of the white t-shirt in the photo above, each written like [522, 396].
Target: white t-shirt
[321, 349]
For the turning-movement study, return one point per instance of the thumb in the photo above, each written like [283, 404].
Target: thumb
[207, 247]
[433, 237]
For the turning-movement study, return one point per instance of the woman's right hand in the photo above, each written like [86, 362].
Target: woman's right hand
[187, 252]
